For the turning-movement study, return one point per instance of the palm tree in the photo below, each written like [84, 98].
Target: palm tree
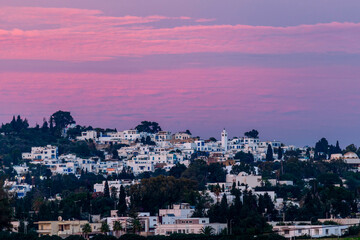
[117, 227]
[208, 230]
[86, 229]
[134, 223]
[104, 228]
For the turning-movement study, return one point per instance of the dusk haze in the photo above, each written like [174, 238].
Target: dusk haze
[288, 68]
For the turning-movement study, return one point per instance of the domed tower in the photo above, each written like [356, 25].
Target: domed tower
[224, 140]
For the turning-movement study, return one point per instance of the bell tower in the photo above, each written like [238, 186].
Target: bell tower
[224, 140]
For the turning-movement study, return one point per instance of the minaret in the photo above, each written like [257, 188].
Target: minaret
[224, 140]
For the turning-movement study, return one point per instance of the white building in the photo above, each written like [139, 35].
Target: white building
[42, 153]
[189, 226]
[243, 178]
[91, 134]
[182, 210]
[314, 231]
[99, 187]
[182, 136]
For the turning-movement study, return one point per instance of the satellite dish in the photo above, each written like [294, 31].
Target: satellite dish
[59, 218]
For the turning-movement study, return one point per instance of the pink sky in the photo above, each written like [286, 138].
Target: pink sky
[295, 82]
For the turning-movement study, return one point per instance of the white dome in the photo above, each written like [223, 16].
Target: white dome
[351, 155]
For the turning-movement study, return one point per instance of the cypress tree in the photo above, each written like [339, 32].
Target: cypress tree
[269, 154]
[122, 207]
[224, 208]
[337, 148]
[106, 190]
[280, 153]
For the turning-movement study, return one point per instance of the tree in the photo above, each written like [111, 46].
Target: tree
[188, 132]
[113, 192]
[106, 190]
[104, 228]
[212, 139]
[122, 207]
[244, 157]
[60, 120]
[351, 148]
[242, 167]
[337, 147]
[252, 134]
[269, 154]
[202, 202]
[134, 222]
[198, 171]
[217, 173]
[224, 206]
[208, 230]
[15, 126]
[5, 209]
[159, 192]
[280, 153]
[149, 127]
[321, 149]
[86, 229]
[45, 126]
[117, 227]
[177, 170]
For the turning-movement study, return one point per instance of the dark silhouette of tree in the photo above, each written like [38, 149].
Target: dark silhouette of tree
[269, 154]
[5, 209]
[321, 149]
[122, 207]
[244, 157]
[337, 147]
[177, 170]
[280, 153]
[59, 120]
[149, 127]
[252, 134]
[106, 190]
[351, 148]
[45, 126]
[104, 228]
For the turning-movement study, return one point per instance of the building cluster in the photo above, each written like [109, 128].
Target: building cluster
[141, 152]
[145, 152]
[177, 219]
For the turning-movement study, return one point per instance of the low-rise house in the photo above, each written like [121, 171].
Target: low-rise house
[65, 228]
[314, 231]
[99, 187]
[42, 153]
[183, 210]
[148, 223]
[189, 226]
[18, 189]
[243, 178]
[342, 221]
[88, 135]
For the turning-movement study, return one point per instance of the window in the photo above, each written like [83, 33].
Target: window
[286, 231]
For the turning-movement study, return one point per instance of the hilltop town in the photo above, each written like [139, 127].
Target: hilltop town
[62, 179]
